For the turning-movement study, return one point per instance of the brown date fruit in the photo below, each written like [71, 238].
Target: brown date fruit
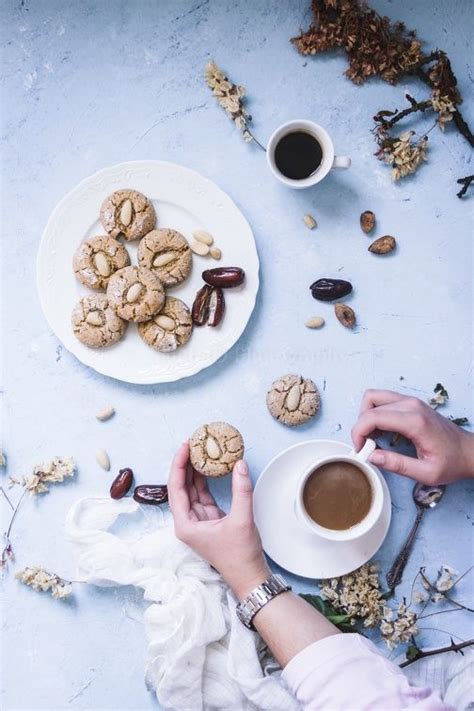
[121, 484]
[224, 277]
[154, 494]
[216, 307]
[200, 309]
[330, 289]
[345, 315]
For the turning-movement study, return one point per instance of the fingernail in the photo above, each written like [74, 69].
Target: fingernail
[377, 457]
[240, 468]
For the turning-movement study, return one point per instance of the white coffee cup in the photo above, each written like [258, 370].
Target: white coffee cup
[359, 460]
[329, 160]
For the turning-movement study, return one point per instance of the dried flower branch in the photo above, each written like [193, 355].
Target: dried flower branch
[357, 595]
[231, 98]
[53, 472]
[375, 46]
[40, 580]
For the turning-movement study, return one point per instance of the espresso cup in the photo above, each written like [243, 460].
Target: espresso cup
[359, 460]
[329, 160]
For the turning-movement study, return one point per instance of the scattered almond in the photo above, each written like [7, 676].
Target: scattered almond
[367, 221]
[383, 245]
[345, 315]
[215, 253]
[199, 248]
[309, 221]
[103, 459]
[105, 414]
[204, 237]
[315, 322]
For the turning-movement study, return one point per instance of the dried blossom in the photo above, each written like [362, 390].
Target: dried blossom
[357, 595]
[231, 97]
[444, 107]
[405, 155]
[40, 580]
[52, 472]
[439, 398]
[399, 629]
[3, 459]
[419, 597]
[446, 579]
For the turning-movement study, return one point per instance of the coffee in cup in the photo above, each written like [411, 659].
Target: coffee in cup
[337, 495]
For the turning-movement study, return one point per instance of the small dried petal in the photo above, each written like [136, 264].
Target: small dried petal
[345, 315]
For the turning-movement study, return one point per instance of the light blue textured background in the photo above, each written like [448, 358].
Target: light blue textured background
[90, 84]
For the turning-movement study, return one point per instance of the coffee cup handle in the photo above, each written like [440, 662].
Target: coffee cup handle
[366, 450]
[341, 162]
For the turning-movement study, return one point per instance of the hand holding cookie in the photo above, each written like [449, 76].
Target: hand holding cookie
[229, 542]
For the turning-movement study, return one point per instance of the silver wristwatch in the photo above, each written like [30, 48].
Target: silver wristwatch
[270, 588]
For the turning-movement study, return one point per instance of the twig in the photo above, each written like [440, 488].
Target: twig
[465, 182]
[441, 650]
[7, 551]
[7, 497]
[414, 107]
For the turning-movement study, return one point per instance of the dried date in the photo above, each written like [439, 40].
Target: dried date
[224, 277]
[121, 484]
[154, 494]
[330, 289]
[216, 307]
[200, 310]
[345, 315]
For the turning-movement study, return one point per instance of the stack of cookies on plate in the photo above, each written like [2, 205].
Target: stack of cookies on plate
[132, 293]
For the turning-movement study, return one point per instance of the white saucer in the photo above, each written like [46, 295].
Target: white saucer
[284, 538]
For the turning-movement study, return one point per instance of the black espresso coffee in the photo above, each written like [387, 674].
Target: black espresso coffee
[298, 155]
[337, 495]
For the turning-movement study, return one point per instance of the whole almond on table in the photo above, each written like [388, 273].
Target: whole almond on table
[105, 414]
[315, 322]
[204, 237]
[309, 221]
[383, 245]
[367, 221]
[345, 315]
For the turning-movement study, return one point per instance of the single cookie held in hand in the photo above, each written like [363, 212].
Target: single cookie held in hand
[169, 329]
[167, 253]
[215, 448]
[97, 258]
[293, 399]
[95, 323]
[127, 213]
[135, 293]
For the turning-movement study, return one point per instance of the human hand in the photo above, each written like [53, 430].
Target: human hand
[230, 543]
[445, 452]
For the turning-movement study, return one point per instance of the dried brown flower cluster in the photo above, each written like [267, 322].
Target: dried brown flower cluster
[374, 46]
[230, 96]
[377, 47]
[40, 580]
[50, 473]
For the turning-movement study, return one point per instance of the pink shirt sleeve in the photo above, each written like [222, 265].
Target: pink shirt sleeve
[346, 672]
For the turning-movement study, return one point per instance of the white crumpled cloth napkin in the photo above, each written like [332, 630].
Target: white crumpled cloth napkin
[200, 657]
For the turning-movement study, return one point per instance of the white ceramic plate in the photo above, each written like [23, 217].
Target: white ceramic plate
[286, 540]
[184, 200]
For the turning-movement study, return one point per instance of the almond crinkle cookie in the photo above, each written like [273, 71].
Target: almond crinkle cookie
[170, 328]
[215, 448]
[135, 293]
[293, 399]
[167, 253]
[97, 258]
[95, 323]
[128, 214]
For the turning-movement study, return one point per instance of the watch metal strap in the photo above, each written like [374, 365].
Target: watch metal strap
[258, 598]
